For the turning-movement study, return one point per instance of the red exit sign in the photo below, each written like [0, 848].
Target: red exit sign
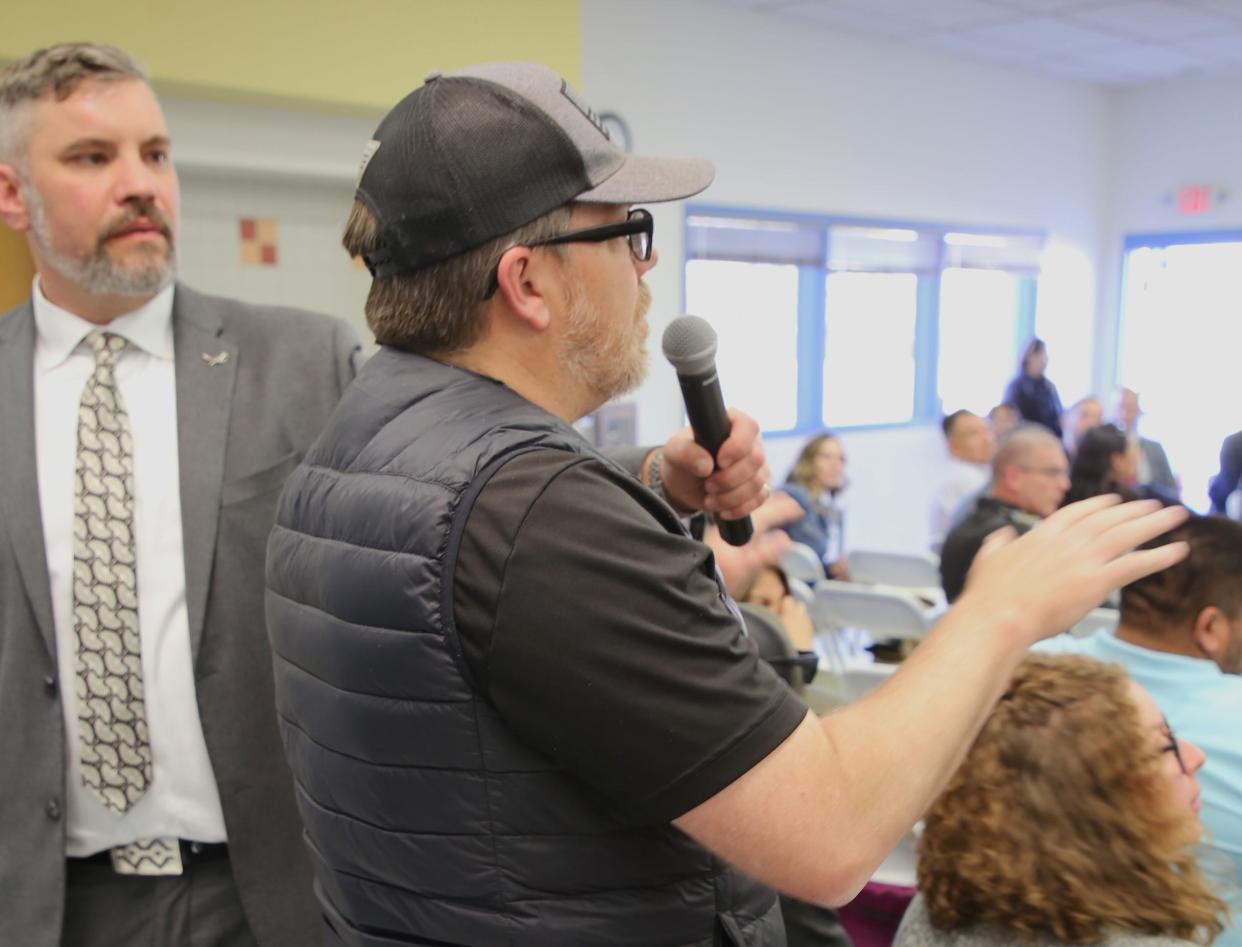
[1196, 199]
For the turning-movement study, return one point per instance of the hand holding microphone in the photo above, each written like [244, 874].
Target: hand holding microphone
[690, 345]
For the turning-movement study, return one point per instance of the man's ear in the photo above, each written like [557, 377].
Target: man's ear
[13, 209]
[1212, 632]
[523, 282]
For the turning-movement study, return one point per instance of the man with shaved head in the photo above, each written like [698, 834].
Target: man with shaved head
[1029, 478]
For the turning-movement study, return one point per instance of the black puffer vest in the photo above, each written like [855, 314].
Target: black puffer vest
[428, 822]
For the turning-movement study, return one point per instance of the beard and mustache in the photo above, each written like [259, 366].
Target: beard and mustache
[606, 357]
[96, 270]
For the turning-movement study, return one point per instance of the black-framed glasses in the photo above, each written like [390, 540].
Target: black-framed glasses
[1045, 471]
[638, 226]
[1175, 748]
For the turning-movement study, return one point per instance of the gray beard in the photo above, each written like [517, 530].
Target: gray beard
[96, 272]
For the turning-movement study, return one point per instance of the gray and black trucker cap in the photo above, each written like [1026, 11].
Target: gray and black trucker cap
[474, 154]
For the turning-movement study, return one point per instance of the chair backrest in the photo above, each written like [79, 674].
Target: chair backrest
[909, 570]
[801, 591]
[800, 561]
[884, 613]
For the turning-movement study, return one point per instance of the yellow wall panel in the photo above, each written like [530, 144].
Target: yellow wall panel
[353, 55]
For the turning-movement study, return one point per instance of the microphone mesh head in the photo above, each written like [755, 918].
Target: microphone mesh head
[690, 345]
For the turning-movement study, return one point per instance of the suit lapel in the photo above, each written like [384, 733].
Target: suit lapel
[19, 481]
[206, 364]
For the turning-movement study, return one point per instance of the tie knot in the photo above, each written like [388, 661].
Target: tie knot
[107, 347]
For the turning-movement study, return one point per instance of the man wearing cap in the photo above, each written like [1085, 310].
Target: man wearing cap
[518, 704]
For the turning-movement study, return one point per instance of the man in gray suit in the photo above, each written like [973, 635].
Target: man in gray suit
[146, 431]
[1154, 470]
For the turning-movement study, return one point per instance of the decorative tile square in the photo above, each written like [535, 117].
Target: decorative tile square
[258, 241]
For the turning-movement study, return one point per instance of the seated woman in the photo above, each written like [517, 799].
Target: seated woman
[1072, 820]
[816, 482]
[1108, 462]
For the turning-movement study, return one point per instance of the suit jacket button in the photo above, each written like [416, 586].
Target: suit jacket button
[53, 809]
[49, 685]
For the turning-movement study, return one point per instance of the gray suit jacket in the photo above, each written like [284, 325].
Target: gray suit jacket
[243, 425]
[1158, 463]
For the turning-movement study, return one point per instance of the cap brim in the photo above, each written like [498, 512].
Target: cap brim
[642, 180]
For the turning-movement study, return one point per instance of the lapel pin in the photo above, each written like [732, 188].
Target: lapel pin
[218, 359]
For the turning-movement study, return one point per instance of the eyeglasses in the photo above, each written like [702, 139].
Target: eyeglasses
[1045, 471]
[1175, 748]
[638, 226]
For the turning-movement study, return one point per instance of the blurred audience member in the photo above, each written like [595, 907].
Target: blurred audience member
[1003, 418]
[1105, 463]
[1228, 481]
[816, 482]
[1180, 637]
[1072, 820]
[1079, 418]
[1031, 394]
[1153, 463]
[971, 448]
[1029, 478]
[770, 589]
[739, 565]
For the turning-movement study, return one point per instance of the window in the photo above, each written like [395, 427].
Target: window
[847, 323]
[757, 302]
[1177, 346]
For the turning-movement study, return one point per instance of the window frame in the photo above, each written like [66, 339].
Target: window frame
[814, 310]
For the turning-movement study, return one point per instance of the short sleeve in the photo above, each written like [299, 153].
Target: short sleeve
[603, 640]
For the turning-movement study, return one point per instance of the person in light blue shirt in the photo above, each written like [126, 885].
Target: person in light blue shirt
[1180, 638]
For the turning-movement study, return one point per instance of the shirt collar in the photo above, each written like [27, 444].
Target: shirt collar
[60, 332]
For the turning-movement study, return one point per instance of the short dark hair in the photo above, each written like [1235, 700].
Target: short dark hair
[950, 420]
[1211, 574]
[1092, 470]
[438, 309]
[1033, 347]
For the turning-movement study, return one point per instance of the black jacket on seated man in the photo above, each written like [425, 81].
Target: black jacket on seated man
[964, 540]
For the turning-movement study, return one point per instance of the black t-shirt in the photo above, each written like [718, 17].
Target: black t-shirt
[603, 641]
[966, 538]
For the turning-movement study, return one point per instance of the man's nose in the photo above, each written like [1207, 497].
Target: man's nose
[135, 179]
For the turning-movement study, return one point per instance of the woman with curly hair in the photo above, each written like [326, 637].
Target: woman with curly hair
[1072, 820]
[816, 482]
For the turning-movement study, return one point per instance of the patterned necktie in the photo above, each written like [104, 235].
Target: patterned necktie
[112, 735]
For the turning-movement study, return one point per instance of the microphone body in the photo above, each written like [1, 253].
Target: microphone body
[690, 345]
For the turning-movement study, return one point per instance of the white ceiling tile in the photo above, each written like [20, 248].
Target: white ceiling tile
[1221, 49]
[1141, 59]
[1154, 20]
[942, 14]
[1229, 9]
[1111, 42]
[964, 47]
[837, 16]
[1042, 33]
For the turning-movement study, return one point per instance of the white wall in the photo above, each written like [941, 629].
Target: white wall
[294, 166]
[798, 118]
[1167, 136]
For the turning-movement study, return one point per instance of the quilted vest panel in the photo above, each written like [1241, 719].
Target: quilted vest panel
[427, 820]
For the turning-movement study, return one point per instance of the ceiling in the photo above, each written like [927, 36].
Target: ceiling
[1109, 42]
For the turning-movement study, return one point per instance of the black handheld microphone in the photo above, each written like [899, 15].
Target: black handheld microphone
[690, 345]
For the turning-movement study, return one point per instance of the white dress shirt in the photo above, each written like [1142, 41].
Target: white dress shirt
[962, 479]
[182, 799]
